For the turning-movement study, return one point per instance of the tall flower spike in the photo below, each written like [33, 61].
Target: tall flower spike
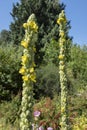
[63, 80]
[28, 72]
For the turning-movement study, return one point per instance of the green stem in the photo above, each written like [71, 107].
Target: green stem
[28, 73]
[62, 71]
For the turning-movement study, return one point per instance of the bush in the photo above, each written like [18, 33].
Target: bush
[10, 79]
[10, 111]
[77, 68]
[50, 112]
[47, 81]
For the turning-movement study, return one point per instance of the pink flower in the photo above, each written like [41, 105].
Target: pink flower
[49, 128]
[41, 128]
[37, 113]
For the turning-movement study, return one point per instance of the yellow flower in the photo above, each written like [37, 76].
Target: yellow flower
[62, 40]
[61, 57]
[33, 25]
[22, 70]
[31, 70]
[61, 20]
[25, 25]
[33, 77]
[24, 59]
[25, 78]
[62, 33]
[62, 109]
[24, 44]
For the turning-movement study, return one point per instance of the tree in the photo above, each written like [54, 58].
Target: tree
[77, 68]
[4, 36]
[46, 12]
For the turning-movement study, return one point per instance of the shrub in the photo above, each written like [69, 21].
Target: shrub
[50, 113]
[10, 79]
[47, 81]
[10, 111]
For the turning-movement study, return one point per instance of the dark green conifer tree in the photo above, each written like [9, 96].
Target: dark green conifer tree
[46, 12]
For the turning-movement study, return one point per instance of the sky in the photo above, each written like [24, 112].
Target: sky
[5, 9]
[75, 12]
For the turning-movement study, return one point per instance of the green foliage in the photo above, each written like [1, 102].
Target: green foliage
[4, 126]
[10, 111]
[78, 110]
[47, 81]
[51, 52]
[10, 80]
[78, 103]
[78, 63]
[77, 68]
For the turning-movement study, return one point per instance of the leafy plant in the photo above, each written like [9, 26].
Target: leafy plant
[47, 81]
[10, 79]
[10, 111]
[50, 113]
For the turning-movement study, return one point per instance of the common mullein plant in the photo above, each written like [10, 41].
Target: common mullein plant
[27, 71]
[62, 22]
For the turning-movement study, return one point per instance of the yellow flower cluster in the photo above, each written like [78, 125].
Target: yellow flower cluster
[22, 70]
[61, 20]
[32, 25]
[25, 43]
[25, 78]
[33, 77]
[25, 58]
[28, 74]
[61, 57]
[31, 70]
[61, 33]
[26, 70]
